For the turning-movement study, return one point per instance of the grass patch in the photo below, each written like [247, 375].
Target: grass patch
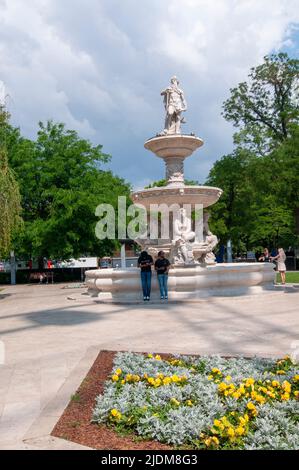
[76, 398]
[291, 277]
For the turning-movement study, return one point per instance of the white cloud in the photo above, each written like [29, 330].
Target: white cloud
[99, 66]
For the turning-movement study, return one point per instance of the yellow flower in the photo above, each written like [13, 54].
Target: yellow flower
[249, 382]
[118, 371]
[189, 403]
[296, 378]
[166, 380]
[275, 383]
[296, 394]
[228, 378]
[158, 382]
[286, 386]
[285, 396]
[210, 377]
[222, 386]
[211, 441]
[217, 423]
[280, 372]
[216, 371]
[236, 395]
[115, 378]
[123, 381]
[242, 420]
[240, 431]
[157, 357]
[225, 421]
[251, 407]
[260, 399]
[174, 401]
[231, 432]
[175, 378]
[149, 356]
[116, 414]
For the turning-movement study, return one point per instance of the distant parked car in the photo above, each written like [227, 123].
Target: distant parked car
[105, 263]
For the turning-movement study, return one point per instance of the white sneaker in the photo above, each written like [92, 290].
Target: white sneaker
[162, 298]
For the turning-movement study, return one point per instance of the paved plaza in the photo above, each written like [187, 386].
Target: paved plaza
[51, 335]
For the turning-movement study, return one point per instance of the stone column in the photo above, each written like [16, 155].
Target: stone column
[174, 167]
[123, 256]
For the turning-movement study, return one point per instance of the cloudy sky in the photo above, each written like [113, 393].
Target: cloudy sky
[99, 66]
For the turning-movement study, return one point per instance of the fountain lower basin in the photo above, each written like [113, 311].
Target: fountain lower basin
[185, 282]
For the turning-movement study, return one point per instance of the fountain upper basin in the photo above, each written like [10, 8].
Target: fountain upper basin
[205, 195]
[175, 145]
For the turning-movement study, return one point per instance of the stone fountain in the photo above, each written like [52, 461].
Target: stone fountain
[189, 243]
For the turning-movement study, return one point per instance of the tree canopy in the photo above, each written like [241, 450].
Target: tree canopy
[260, 178]
[61, 183]
[10, 201]
[266, 105]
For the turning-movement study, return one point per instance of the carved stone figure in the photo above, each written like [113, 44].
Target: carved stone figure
[182, 239]
[175, 104]
[210, 242]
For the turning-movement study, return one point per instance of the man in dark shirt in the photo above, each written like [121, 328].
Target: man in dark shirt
[145, 262]
[162, 266]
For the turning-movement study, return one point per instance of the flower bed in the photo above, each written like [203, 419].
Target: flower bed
[203, 402]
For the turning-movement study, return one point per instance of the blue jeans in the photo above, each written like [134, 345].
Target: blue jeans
[163, 280]
[146, 280]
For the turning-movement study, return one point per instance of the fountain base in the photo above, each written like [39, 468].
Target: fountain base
[185, 282]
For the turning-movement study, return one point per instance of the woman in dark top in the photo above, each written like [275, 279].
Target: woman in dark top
[145, 262]
[265, 256]
[162, 266]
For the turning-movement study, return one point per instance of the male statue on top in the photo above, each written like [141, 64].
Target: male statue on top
[175, 103]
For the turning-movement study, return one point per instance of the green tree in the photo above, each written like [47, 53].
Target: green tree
[62, 182]
[260, 178]
[10, 207]
[266, 105]
[232, 215]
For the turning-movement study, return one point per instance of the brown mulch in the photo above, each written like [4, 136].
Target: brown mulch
[74, 424]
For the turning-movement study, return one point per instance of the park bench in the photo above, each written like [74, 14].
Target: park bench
[41, 277]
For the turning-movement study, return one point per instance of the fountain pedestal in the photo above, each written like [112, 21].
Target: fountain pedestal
[183, 247]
